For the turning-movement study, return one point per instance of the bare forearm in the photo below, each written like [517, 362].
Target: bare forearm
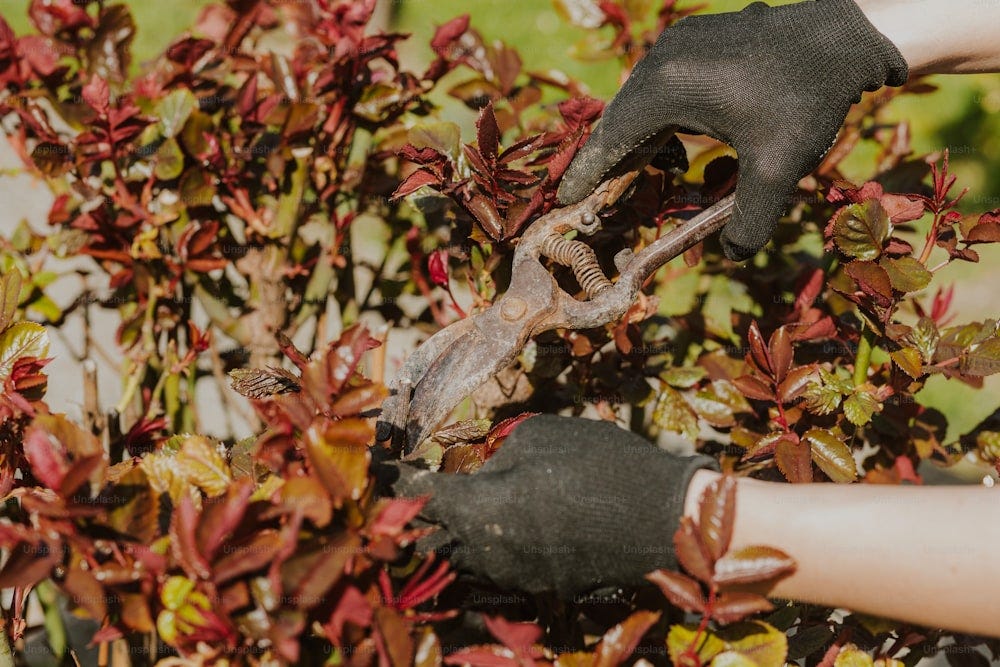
[940, 36]
[918, 554]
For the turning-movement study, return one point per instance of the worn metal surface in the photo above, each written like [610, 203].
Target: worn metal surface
[455, 361]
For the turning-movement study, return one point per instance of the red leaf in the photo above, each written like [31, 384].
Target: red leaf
[97, 95]
[519, 637]
[730, 607]
[437, 267]
[486, 214]
[690, 553]
[183, 542]
[901, 208]
[29, 563]
[716, 515]
[489, 655]
[681, 590]
[352, 607]
[415, 181]
[503, 428]
[449, 32]
[488, 134]
[394, 515]
[580, 111]
[220, 516]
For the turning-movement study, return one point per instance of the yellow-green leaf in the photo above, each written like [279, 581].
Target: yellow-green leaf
[908, 360]
[21, 339]
[906, 274]
[732, 659]
[762, 643]
[860, 406]
[174, 109]
[672, 413]
[200, 461]
[10, 295]
[680, 637]
[851, 656]
[860, 230]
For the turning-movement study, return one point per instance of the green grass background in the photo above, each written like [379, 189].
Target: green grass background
[964, 115]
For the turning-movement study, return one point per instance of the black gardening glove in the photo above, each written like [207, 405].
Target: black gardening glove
[566, 505]
[773, 82]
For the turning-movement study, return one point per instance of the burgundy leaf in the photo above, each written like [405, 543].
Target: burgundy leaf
[758, 350]
[754, 387]
[731, 607]
[619, 642]
[794, 460]
[681, 590]
[753, 564]
[519, 637]
[690, 551]
[780, 353]
[716, 515]
[488, 134]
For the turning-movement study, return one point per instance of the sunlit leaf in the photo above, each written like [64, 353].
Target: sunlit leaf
[851, 656]
[174, 110]
[672, 413]
[200, 461]
[909, 361]
[752, 564]
[757, 640]
[681, 637]
[617, 644]
[831, 454]
[906, 274]
[859, 230]
[690, 552]
[860, 406]
[338, 452]
[21, 339]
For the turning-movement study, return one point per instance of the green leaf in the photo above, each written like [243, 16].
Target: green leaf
[708, 406]
[169, 160]
[290, 201]
[21, 339]
[860, 406]
[725, 296]
[672, 413]
[832, 455]
[762, 643]
[680, 637]
[823, 396]
[174, 110]
[678, 296]
[908, 360]
[860, 230]
[906, 274]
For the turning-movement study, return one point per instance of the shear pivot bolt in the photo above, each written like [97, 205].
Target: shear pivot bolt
[513, 308]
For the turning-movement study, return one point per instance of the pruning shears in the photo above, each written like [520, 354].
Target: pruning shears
[456, 360]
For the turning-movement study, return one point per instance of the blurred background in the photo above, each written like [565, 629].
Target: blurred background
[963, 115]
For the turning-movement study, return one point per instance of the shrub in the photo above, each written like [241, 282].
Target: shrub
[227, 191]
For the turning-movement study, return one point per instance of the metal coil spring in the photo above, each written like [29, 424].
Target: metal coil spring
[581, 259]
